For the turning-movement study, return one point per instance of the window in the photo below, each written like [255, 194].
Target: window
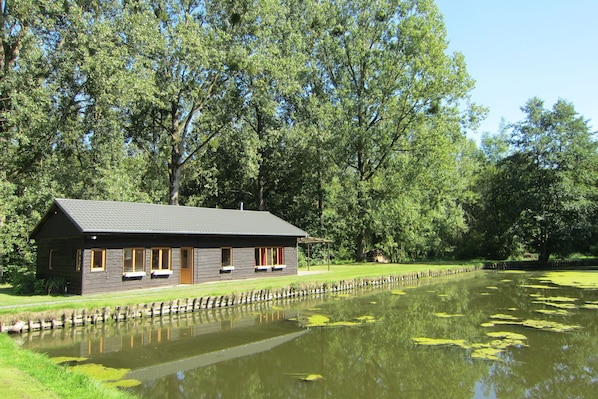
[78, 260]
[133, 260]
[186, 258]
[270, 257]
[50, 259]
[98, 259]
[160, 259]
[226, 258]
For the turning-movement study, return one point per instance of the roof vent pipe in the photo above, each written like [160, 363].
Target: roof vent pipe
[241, 205]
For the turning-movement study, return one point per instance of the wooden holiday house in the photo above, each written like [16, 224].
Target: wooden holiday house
[106, 246]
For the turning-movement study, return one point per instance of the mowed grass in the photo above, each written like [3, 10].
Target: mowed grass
[25, 374]
[13, 305]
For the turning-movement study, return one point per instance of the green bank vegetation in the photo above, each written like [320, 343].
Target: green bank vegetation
[15, 305]
[25, 374]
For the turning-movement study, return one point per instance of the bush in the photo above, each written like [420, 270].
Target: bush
[25, 283]
[54, 285]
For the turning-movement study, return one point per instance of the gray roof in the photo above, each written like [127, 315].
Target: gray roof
[130, 218]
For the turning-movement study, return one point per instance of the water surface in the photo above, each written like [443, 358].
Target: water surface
[489, 335]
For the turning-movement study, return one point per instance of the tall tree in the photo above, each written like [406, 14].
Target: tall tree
[184, 50]
[386, 72]
[548, 182]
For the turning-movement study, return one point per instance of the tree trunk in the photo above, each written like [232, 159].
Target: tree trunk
[174, 176]
[544, 253]
[261, 184]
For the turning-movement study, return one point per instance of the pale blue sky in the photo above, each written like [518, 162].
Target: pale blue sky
[518, 49]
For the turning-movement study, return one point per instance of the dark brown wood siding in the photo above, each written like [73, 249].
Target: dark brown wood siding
[112, 278]
[56, 224]
[206, 265]
[64, 261]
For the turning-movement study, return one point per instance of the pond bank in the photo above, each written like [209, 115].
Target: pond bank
[536, 265]
[81, 317]
[26, 374]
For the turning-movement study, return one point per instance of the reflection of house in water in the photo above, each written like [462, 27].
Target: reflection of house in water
[198, 338]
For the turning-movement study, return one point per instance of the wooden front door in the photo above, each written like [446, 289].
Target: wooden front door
[186, 265]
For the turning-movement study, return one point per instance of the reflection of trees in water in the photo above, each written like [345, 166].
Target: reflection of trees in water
[380, 359]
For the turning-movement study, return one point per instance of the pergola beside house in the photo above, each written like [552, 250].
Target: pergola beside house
[105, 246]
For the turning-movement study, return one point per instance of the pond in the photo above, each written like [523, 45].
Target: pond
[482, 335]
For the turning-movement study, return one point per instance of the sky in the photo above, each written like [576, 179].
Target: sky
[519, 49]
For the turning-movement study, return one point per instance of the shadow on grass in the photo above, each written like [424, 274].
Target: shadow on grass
[6, 289]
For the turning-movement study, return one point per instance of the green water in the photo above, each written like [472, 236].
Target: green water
[266, 350]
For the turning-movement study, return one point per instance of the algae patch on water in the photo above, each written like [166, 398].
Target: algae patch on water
[441, 342]
[556, 299]
[448, 315]
[557, 305]
[480, 350]
[307, 377]
[544, 325]
[486, 354]
[501, 316]
[578, 279]
[318, 320]
[100, 372]
[554, 312]
[537, 286]
[506, 335]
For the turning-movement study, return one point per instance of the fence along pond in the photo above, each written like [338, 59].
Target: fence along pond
[158, 309]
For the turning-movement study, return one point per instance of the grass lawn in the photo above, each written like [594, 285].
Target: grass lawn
[12, 306]
[25, 374]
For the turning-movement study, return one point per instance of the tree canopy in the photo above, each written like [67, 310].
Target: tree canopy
[347, 118]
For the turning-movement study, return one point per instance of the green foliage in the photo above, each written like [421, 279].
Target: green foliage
[539, 196]
[346, 118]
